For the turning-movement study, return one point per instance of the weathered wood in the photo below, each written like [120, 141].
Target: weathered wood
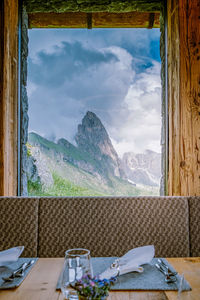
[1, 99]
[189, 16]
[8, 102]
[98, 20]
[133, 19]
[91, 6]
[184, 97]
[41, 281]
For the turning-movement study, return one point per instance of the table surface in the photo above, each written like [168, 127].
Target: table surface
[41, 281]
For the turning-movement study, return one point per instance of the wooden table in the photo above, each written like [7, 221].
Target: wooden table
[41, 281]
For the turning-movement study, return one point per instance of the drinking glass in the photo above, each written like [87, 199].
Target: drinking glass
[77, 264]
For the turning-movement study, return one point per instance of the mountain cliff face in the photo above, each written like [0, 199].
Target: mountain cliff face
[93, 138]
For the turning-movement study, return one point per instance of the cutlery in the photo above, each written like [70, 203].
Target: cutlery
[19, 272]
[170, 272]
[168, 278]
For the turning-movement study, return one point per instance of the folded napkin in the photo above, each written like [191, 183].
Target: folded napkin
[130, 262]
[10, 255]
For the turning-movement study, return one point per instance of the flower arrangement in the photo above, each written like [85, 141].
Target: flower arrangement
[93, 288]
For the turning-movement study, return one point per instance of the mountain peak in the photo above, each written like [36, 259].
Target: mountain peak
[91, 132]
[91, 119]
[93, 138]
[93, 126]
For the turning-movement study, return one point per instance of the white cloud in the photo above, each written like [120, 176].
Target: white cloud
[141, 128]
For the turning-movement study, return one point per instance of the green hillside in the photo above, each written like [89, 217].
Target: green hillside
[71, 180]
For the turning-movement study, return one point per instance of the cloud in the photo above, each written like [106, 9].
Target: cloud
[100, 73]
[142, 126]
[53, 69]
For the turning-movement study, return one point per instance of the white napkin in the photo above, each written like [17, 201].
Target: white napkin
[130, 262]
[10, 255]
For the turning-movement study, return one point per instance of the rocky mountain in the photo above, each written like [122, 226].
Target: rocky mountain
[143, 168]
[93, 138]
[92, 166]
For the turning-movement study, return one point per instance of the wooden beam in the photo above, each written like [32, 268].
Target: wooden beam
[151, 20]
[184, 97]
[8, 97]
[98, 20]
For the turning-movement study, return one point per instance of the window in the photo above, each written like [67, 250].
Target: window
[94, 109]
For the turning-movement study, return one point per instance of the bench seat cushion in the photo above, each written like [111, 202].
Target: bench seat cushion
[19, 224]
[112, 226]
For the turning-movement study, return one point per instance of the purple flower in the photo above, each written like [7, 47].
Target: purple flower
[92, 283]
[93, 287]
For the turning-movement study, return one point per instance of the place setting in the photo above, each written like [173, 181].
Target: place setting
[83, 277]
[13, 268]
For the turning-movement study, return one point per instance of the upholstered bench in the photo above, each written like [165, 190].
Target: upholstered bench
[107, 226]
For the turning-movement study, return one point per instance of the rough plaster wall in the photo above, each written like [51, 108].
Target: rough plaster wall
[35, 4]
[92, 5]
[24, 102]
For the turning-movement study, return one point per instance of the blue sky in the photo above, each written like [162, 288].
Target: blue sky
[113, 72]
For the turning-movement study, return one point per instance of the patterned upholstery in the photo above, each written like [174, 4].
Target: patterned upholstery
[19, 224]
[112, 226]
[194, 216]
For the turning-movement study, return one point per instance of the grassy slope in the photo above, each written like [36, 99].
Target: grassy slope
[61, 187]
[70, 180]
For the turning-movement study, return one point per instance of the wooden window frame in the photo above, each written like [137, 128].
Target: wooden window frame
[182, 87]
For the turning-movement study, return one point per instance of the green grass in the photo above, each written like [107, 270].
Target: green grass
[34, 188]
[61, 187]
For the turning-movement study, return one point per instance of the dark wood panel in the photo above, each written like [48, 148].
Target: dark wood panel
[97, 20]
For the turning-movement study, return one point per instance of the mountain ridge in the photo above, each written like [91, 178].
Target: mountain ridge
[94, 159]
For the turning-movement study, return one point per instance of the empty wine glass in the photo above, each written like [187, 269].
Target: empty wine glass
[77, 263]
[183, 287]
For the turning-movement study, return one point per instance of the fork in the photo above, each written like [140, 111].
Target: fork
[168, 278]
[171, 273]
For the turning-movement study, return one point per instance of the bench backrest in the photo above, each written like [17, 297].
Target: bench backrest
[112, 226]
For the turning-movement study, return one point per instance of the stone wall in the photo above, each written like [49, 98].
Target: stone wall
[24, 102]
[164, 113]
[92, 5]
